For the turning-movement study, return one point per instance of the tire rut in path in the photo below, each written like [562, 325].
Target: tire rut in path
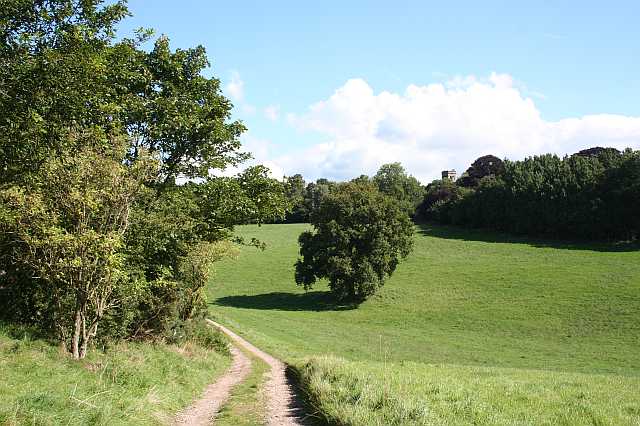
[203, 411]
[283, 408]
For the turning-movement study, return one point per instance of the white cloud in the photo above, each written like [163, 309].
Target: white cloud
[272, 112]
[440, 126]
[235, 87]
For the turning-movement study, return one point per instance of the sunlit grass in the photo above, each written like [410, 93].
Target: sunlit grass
[374, 393]
[514, 330]
[130, 383]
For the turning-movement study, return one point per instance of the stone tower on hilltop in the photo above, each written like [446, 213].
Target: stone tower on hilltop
[449, 174]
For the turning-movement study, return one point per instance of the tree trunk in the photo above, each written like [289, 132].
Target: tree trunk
[75, 341]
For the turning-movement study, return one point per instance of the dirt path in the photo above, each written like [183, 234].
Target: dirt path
[203, 411]
[283, 408]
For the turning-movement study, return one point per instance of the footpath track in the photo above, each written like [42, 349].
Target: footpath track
[283, 408]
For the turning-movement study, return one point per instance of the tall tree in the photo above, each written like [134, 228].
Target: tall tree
[485, 166]
[393, 180]
[295, 192]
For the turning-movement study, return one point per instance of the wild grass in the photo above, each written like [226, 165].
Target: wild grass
[373, 393]
[129, 383]
[469, 310]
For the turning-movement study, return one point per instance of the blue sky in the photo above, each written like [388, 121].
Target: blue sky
[564, 61]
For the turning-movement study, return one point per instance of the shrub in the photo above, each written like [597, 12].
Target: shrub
[200, 332]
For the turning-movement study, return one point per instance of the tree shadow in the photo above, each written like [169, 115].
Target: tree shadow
[316, 301]
[449, 232]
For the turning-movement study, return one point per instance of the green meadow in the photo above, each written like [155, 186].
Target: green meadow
[474, 327]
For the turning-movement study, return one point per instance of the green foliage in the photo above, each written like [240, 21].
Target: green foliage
[295, 192]
[485, 166]
[54, 54]
[584, 196]
[315, 193]
[175, 111]
[360, 236]
[62, 67]
[198, 331]
[439, 195]
[393, 181]
[194, 272]
[65, 229]
[86, 232]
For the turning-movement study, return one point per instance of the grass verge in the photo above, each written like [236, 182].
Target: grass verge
[130, 383]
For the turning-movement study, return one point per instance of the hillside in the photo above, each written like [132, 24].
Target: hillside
[463, 299]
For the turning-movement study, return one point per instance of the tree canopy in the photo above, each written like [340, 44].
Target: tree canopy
[593, 194]
[87, 239]
[393, 180]
[360, 235]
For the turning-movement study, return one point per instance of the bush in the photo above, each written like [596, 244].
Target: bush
[67, 229]
[200, 332]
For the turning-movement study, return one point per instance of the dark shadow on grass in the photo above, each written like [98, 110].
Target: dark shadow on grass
[458, 233]
[278, 301]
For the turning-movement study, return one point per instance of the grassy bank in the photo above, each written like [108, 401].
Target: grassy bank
[130, 383]
[545, 317]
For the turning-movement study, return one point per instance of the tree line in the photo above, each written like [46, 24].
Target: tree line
[391, 180]
[592, 195]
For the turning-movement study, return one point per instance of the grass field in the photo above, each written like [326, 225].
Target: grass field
[546, 317]
[131, 383]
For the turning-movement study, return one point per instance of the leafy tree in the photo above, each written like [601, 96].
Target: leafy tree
[438, 196]
[316, 192]
[485, 166]
[61, 67]
[175, 111]
[67, 228]
[194, 271]
[295, 193]
[54, 56]
[363, 179]
[392, 180]
[596, 151]
[359, 237]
